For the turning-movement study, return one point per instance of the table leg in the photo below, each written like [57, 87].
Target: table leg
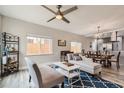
[69, 81]
[80, 79]
[109, 63]
[62, 85]
[104, 63]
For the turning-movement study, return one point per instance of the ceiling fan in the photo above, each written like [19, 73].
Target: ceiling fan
[60, 14]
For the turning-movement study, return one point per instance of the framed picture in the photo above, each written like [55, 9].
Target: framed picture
[61, 42]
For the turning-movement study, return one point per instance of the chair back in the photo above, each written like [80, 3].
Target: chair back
[97, 54]
[83, 52]
[118, 56]
[88, 54]
[34, 73]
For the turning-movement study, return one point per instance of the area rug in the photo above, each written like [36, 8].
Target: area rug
[90, 81]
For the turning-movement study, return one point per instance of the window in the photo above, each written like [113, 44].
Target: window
[38, 45]
[76, 47]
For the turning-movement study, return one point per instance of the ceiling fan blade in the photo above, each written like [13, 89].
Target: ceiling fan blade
[65, 20]
[51, 19]
[48, 9]
[70, 10]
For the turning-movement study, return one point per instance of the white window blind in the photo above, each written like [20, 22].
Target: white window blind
[38, 45]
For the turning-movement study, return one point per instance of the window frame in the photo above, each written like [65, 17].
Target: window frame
[39, 36]
[76, 42]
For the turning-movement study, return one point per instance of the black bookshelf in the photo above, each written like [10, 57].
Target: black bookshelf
[10, 54]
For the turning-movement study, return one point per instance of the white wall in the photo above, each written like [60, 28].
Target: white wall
[0, 23]
[22, 28]
[0, 41]
[0, 29]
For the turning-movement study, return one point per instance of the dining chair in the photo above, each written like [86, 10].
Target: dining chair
[100, 58]
[88, 54]
[45, 76]
[83, 52]
[116, 60]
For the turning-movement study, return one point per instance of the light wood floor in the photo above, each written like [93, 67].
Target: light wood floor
[111, 74]
[20, 79]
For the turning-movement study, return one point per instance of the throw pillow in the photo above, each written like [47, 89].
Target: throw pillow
[71, 56]
[77, 58]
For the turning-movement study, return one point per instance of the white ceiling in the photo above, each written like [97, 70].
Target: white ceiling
[84, 20]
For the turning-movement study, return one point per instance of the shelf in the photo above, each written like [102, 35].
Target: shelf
[13, 62]
[13, 51]
[111, 42]
[10, 42]
[103, 38]
[67, 73]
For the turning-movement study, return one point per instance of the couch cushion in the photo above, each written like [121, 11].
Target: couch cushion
[86, 59]
[77, 58]
[76, 54]
[89, 65]
[70, 56]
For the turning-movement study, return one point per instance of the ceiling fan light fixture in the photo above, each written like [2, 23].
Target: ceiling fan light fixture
[59, 17]
[60, 14]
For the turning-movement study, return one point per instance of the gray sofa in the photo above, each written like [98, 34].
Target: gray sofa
[45, 76]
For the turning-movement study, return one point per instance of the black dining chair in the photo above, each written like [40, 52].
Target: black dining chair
[116, 60]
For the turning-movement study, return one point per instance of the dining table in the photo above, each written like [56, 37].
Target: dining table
[102, 57]
[106, 58]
